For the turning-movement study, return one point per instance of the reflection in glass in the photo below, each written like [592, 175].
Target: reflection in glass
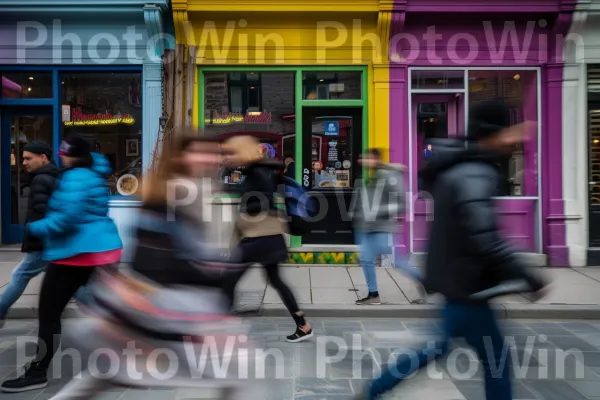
[434, 79]
[332, 152]
[26, 85]
[331, 85]
[24, 129]
[106, 109]
[518, 89]
[256, 104]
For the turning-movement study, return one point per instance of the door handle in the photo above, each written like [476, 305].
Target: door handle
[592, 183]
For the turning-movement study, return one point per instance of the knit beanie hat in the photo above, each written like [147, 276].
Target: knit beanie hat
[75, 146]
[488, 118]
[39, 147]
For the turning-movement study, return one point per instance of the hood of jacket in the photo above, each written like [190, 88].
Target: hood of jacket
[449, 152]
[101, 165]
[49, 169]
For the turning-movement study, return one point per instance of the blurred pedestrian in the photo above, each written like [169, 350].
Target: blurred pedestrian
[261, 224]
[377, 208]
[78, 236]
[466, 253]
[43, 174]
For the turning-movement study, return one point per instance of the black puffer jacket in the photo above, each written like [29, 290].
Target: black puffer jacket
[466, 253]
[260, 187]
[42, 184]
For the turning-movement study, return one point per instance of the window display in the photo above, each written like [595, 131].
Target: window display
[259, 104]
[331, 85]
[106, 108]
[519, 90]
[332, 151]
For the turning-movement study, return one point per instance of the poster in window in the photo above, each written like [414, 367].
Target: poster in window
[132, 148]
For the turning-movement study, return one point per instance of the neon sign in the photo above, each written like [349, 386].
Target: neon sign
[252, 117]
[78, 118]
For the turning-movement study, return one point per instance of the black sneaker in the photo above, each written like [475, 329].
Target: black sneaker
[299, 336]
[369, 301]
[33, 378]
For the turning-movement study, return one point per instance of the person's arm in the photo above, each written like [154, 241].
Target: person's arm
[42, 187]
[477, 212]
[263, 182]
[393, 197]
[71, 196]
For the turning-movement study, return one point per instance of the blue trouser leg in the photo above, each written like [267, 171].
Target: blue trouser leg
[31, 266]
[478, 325]
[368, 252]
[483, 334]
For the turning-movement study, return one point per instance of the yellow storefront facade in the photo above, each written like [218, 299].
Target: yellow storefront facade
[309, 79]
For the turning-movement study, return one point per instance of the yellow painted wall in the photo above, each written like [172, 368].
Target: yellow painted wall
[297, 39]
[285, 38]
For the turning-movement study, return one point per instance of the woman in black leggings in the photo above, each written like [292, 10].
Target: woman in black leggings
[260, 226]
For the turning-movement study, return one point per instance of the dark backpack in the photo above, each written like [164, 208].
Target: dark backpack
[300, 207]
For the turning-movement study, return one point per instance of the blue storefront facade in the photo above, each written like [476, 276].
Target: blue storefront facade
[85, 67]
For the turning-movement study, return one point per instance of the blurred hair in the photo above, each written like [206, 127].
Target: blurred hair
[245, 148]
[170, 165]
[374, 152]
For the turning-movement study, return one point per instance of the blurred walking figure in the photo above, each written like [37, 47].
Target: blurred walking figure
[174, 295]
[466, 254]
[261, 226]
[43, 173]
[378, 205]
[77, 235]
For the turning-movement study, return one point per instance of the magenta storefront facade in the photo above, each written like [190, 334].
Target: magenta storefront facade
[444, 58]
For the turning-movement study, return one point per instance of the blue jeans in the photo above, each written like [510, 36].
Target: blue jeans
[373, 245]
[477, 324]
[31, 266]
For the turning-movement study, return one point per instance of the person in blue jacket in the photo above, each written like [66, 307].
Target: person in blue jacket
[78, 236]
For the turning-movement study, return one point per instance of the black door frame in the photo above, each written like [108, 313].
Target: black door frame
[343, 228]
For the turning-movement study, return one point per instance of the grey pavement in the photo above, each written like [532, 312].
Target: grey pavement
[347, 352]
[332, 291]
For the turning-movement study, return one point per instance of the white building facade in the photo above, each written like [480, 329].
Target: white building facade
[581, 135]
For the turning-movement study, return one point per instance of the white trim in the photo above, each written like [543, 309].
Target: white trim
[540, 205]
[438, 91]
[515, 197]
[411, 210]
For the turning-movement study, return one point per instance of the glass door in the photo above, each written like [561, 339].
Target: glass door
[331, 145]
[594, 174]
[17, 128]
[433, 116]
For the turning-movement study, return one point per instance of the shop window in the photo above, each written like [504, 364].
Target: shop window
[26, 85]
[331, 85]
[106, 109]
[518, 89]
[244, 92]
[434, 79]
[255, 104]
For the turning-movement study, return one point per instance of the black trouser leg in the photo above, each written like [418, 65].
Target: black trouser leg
[59, 285]
[287, 297]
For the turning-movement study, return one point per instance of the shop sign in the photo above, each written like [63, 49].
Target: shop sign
[331, 128]
[216, 118]
[78, 118]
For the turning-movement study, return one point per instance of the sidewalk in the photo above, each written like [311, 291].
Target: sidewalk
[332, 291]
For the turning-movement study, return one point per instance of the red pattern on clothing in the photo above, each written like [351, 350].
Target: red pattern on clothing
[92, 259]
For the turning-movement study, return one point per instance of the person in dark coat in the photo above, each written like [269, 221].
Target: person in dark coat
[467, 256]
[43, 173]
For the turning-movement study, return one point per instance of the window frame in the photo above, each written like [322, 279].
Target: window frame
[245, 85]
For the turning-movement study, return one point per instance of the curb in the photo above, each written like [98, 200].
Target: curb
[503, 311]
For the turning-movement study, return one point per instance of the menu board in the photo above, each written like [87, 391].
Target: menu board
[333, 151]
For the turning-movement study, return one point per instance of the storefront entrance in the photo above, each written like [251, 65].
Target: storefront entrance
[331, 145]
[17, 128]
[594, 173]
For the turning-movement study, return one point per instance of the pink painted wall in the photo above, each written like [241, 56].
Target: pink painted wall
[466, 41]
